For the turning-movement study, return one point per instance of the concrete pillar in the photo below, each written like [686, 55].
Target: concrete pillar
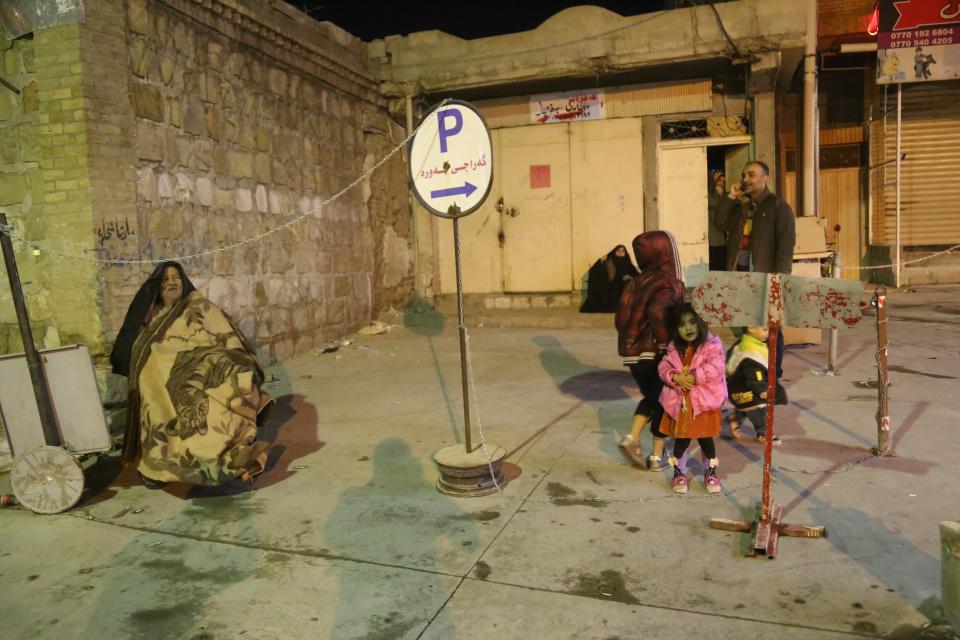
[765, 130]
[950, 571]
[651, 173]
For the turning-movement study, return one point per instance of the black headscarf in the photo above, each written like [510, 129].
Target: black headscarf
[137, 313]
[623, 264]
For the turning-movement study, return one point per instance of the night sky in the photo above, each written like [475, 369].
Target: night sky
[371, 20]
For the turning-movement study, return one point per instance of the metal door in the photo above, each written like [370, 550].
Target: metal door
[533, 164]
[683, 207]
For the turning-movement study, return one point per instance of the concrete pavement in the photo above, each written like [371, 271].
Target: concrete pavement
[345, 536]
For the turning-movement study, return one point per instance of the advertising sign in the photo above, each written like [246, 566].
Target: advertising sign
[918, 41]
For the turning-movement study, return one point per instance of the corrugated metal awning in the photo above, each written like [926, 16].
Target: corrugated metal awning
[930, 173]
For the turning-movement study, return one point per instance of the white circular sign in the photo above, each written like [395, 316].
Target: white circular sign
[451, 160]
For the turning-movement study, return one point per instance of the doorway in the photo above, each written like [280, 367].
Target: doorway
[685, 168]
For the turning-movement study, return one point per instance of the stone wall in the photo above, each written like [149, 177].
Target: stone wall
[232, 137]
[162, 128]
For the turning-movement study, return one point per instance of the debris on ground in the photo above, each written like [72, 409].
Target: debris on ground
[375, 328]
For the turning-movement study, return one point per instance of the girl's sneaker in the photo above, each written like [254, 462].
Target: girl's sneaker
[655, 463]
[679, 482]
[710, 479]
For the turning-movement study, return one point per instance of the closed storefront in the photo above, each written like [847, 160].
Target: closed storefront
[930, 167]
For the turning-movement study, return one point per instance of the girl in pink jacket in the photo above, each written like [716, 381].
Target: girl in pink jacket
[695, 387]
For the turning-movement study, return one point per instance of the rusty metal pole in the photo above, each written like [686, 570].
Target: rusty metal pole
[774, 330]
[41, 391]
[833, 352]
[463, 333]
[883, 373]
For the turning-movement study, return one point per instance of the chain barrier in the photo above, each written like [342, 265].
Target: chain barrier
[903, 262]
[9, 230]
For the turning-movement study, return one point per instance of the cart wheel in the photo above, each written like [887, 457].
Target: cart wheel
[47, 480]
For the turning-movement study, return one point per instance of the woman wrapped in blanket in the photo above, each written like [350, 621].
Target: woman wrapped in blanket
[194, 386]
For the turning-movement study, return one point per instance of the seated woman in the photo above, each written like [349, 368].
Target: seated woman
[194, 386]
[606, 279]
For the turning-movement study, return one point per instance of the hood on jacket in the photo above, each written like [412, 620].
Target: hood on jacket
[656, 251]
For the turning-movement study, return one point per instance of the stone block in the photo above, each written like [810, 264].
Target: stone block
[13, 188]
[211, 119]
[221, 161]
[242, 200]
[8, 104]
[231, 125]
[183, 189]
[138, 18]
[261, 199]
[151, 142]
[147, 184]
[147, 101]
[193, 117]
[273, 201]
[214, 55]
[263, 167]
[264, 138]
[205, 194]
[166, 70]
[165, 186]
[342, 286]
[224, 198]
[241, 164]
[202, 158]
[538, 302]
[31, 101]
[174, 110]
[9, 150]
[140, 57]
[501, 302]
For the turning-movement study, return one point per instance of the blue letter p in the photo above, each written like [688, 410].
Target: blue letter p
[449, 133]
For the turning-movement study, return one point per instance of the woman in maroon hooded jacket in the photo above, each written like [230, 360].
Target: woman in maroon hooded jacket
[643, 335]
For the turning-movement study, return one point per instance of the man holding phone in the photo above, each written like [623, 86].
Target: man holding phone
[761, 229]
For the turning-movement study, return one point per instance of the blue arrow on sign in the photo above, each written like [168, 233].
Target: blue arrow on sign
[465, 190]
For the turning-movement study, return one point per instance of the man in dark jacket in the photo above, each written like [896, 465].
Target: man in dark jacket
[642, 335]
[761, 229]
[760, 226]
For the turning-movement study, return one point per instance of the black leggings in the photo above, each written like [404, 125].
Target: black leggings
[645, 373]
[706, 445]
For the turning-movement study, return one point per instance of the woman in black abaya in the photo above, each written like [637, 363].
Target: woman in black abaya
[606, 279]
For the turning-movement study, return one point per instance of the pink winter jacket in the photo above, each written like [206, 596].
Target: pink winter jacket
[710, 389]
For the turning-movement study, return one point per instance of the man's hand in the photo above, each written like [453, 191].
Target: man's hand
[735, 192]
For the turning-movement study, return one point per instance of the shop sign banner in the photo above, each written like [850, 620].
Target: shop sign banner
[565, 107]
[918, 41]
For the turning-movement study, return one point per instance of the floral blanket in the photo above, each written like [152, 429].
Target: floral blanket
[194, 397]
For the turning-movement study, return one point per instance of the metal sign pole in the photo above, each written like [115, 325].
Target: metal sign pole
[40, 390]
[454, 211]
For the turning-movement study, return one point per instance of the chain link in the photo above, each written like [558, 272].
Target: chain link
[9, 230]
[903, 262]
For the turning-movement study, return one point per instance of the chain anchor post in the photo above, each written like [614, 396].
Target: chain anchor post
[879, 302]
